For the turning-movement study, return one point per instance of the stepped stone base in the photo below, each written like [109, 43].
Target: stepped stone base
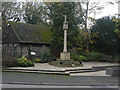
[65, 56]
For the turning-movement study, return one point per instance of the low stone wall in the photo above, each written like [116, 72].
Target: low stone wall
[113, 71]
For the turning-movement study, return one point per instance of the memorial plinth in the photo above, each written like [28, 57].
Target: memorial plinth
[65, 55]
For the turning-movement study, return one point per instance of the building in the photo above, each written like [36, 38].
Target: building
[24, 39]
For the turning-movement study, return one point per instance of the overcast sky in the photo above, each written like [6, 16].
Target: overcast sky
[109, 10]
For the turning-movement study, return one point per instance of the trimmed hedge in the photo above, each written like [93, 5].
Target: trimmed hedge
[77, 57]
[92, 56]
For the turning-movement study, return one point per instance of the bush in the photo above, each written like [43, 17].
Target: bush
[24, 62]
[83, 58]
[92, 56]
[116, 59]
[45, 55]
[36, 60]
[79, 58]
[54, 58]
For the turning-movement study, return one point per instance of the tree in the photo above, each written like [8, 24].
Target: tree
[34, 13]
[117, 26]
[0, 13]
[87, 8]
[116, 21]
[107, 40]
[11, 11]
[56, 16]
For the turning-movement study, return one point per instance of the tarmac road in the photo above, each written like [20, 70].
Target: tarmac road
[57, 80]
[10, 86]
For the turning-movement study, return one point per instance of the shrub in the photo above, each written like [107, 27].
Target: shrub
[83, 58]
[24, 62]
[116, 59]
[78, 57]
[92, 55]
[45, 55]
[37, 60]
[54, 58]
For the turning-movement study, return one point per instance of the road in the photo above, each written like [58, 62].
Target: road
[10, 86]
[57, 80]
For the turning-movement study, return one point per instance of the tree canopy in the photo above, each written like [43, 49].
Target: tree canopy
[107, 39]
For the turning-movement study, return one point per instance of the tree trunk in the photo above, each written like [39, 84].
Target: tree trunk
[86, 29]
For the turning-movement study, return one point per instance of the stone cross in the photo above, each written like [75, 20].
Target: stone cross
[65, 18]
[65, 55]
[65, 27]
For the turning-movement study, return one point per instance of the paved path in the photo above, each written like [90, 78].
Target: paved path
[47, 79]
[46, 66]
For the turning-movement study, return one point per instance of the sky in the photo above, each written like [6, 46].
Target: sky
[109, 10]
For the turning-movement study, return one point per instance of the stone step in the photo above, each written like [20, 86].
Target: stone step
[99, 68]
[66, 71]
[86, 70]
[80, 71]
[60, 72]
[45, 70]
[96, 73]
[39, 72]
